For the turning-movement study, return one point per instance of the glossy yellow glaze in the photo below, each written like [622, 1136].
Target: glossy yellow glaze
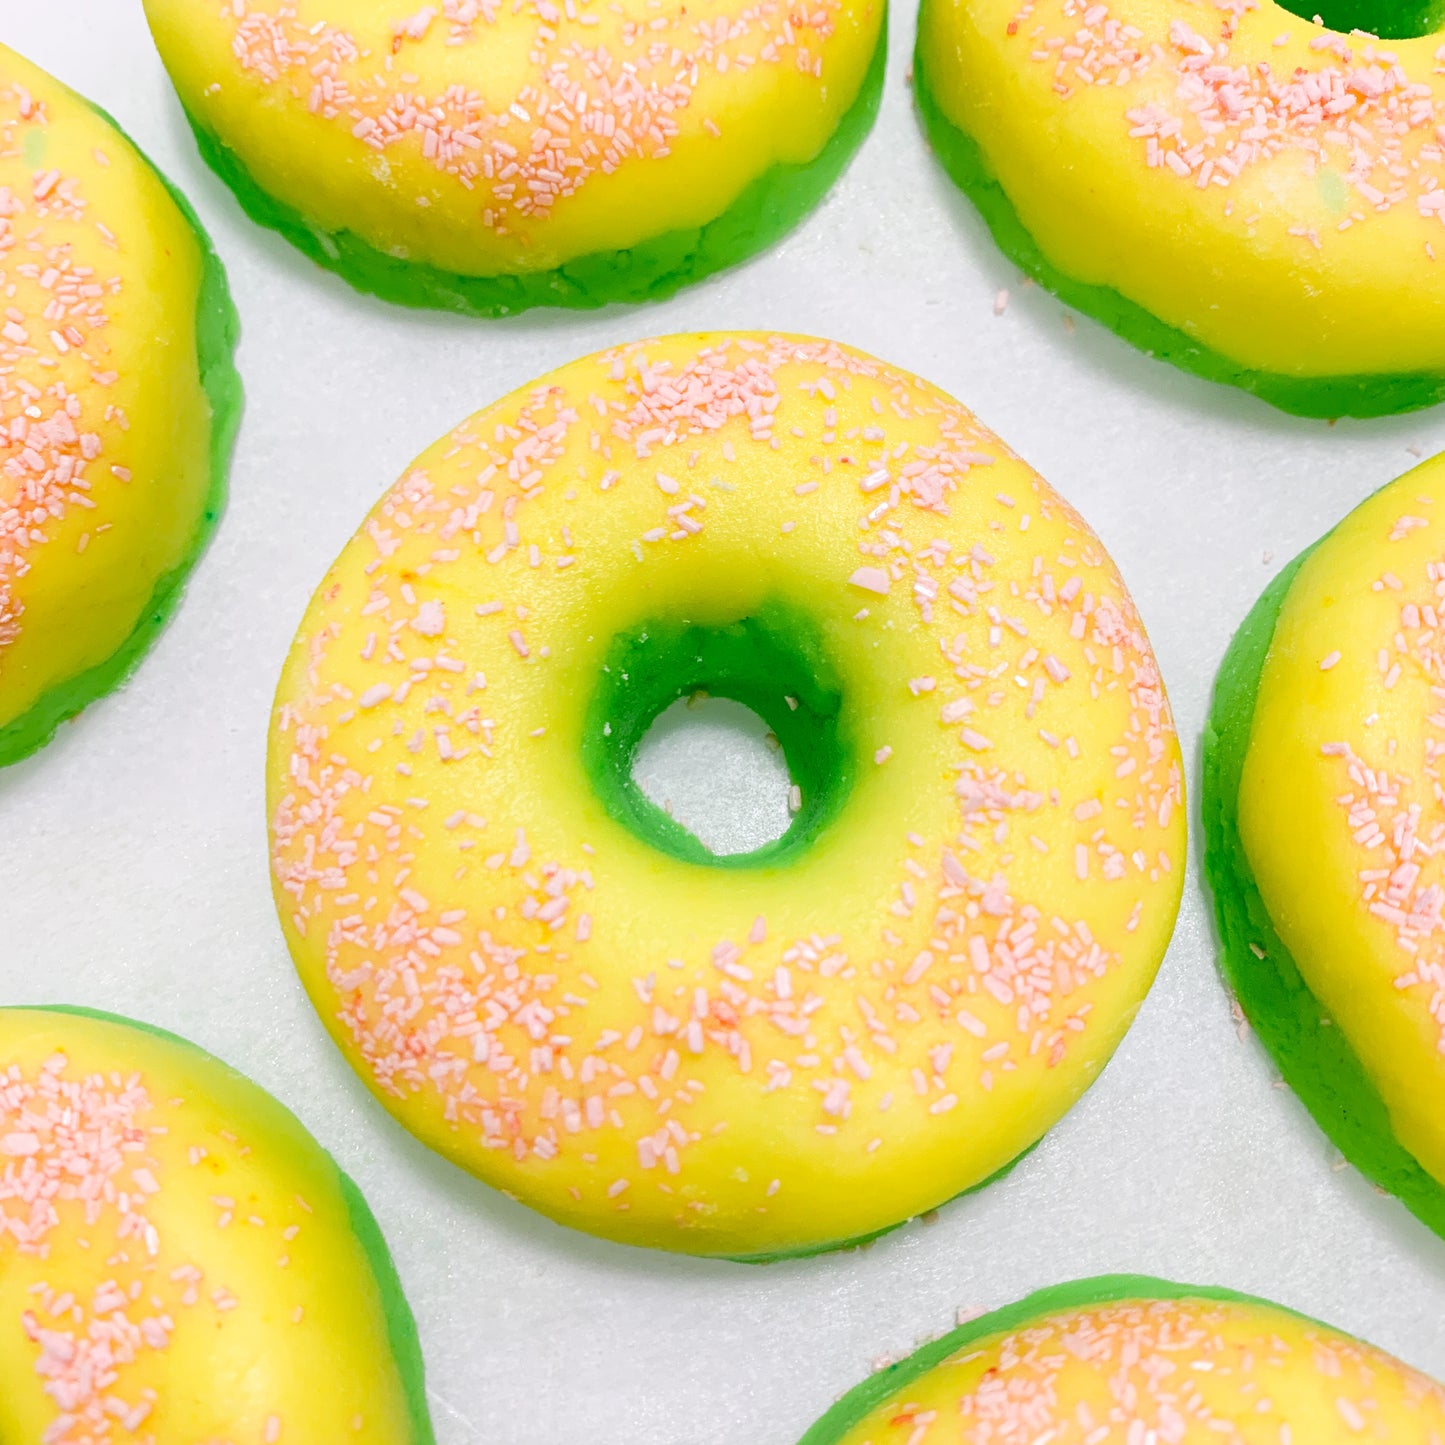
[1340, 802]
[1187, 1371]
[176, 1254]
[487, 139]
[745, 1060]
[104, 427]
[1315, 258]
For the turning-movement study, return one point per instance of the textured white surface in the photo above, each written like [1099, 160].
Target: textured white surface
[717, 769]
[133, 858]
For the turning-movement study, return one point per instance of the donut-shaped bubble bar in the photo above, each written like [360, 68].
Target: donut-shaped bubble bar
[546, 978]
[1127, 1360]
[118, 402]
[1233, 188]
[1324, 818]
[487, 157]
[179, 1260]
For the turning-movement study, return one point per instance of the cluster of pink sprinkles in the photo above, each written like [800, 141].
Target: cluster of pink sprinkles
[1366, 129]
[472, 987]
[589, 105]
[81, 1170]
[52, 314]
[1172, 1370]
[1395, 817]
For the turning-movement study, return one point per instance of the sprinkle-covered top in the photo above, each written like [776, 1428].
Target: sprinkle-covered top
[539, 129]
[55, 363]
[1162, 1372]
[1272, 188]
[162, 1223]
[1341, 797]
[1356, 115]
[681, 1054]
[97, 268]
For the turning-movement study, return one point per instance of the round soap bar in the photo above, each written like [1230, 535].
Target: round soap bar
[487, 157]
[1324, 817]
[179, 1260]
[1127, 1360]
[546, 978]
[1232, 188]
[118, 402]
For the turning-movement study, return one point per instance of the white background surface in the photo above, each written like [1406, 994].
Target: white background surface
[133, 870]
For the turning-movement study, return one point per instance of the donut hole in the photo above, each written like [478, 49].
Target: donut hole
[1386, 19]
[715, 767]
[752, 765]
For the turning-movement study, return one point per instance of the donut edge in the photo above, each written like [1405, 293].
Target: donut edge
[1102, 1289]
[768, 208]
[862, 1241]
[1316, 1061]
[218, 329]
[1327, 397]
[402, 1335]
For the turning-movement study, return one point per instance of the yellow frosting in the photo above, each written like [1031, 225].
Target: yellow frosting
[104, 427]
[485, 138]
[1340, 803]
[1185, 1372]
[1269, 187]
[177, 1262]
[749, 1059]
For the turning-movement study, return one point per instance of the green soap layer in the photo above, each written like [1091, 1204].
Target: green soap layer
[218, 328]
[1316, 1061]
[1385, 19]
[1104, 1289]
[759, 661]
[1327, 396]
[401, 1328]
[767, 209]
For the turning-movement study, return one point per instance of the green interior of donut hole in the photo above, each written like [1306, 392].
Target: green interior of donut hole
[773, 663]
[1388, 19]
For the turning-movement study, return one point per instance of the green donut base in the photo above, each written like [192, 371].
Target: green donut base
[218, 328]
[1316, 1060]
[1104, 1289]
[1384, 19]
[1364, 395]
[768, 208]
[400, 1324]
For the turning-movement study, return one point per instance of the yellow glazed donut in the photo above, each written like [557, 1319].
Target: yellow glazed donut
[1127, 1360]
[118, 402]
[1325, 816]
[1231, 187]
[179, 1260]
[544, 977]
[489, 157]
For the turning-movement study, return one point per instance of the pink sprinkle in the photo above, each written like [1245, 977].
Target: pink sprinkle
[517, 641]
[1328, 662]
[871, 579]
[430, 620]
[883, 754]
